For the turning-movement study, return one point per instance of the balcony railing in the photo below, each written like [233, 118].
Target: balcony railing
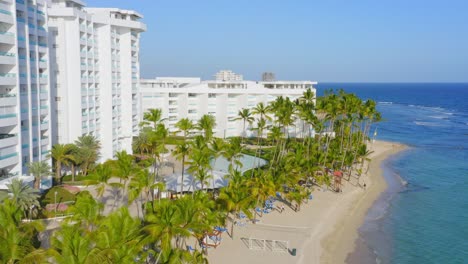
[8, 75]
[4, 136]
[7, 156]
[5, 33]
[7, 54]
[6, 12]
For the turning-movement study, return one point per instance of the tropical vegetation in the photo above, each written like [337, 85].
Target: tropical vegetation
[304, 140]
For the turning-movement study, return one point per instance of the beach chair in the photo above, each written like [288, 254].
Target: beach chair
[190, 249]
[221, 229]
[242, 215]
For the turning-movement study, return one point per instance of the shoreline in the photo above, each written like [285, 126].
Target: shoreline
[323, 231]
[341, 242]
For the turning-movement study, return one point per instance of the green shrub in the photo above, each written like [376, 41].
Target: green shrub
[62, 196]
[78, 178]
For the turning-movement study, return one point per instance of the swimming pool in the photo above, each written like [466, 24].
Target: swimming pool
[248, 162]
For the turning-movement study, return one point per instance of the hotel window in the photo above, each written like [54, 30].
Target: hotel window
[192, 95]
[192, 111]
[211, 95]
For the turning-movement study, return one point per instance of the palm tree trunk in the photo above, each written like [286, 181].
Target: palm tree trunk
[58, 168]
[36, 182]
[73, 171]
[182, 182]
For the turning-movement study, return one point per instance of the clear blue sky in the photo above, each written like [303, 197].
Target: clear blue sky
[339, 41]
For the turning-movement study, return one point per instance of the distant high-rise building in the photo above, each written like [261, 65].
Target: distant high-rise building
[24, 86]
[95, 58]
[227, 75]
[268, 77]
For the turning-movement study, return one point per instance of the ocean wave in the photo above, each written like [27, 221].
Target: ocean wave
[385, 103]
[428, 124]
[439, 116]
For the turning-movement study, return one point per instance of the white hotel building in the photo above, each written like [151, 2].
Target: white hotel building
[95, 80]
[190, 97]
[25, 127]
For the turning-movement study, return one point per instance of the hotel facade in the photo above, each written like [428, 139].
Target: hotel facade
[192, 98]
[65, 71]
[95, 65]
[25, 128]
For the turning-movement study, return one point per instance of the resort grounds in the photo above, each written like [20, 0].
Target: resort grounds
[325, 228]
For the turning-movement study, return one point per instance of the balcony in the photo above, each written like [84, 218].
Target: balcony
[43, 78]
[42, 64]
[44, 95]
[7, 58]
[44, 110]
[45, 125]
[7, 140]
[6, 16]
[45, 141]
[7, 38]
[7, 78]
[8, 99]
[8, 159]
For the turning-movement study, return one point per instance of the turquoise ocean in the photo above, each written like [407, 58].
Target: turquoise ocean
[423, 216]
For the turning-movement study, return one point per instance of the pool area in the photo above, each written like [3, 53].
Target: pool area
[221, 164]
[220, 170]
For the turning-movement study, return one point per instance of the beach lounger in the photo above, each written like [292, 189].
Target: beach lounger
[221, 229]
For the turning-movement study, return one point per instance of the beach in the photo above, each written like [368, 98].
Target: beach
[323, 231]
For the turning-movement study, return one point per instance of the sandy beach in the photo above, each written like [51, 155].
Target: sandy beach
[323, 231]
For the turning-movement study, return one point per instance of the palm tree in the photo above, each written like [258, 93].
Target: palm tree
[141, 143]
[70, 244]
[262, 110]
[246, 116]
[38, 170]
[124, 168]
[86, 211]
[121, 236]
[199, 157]
[18, 238]
[235, 199]
[89, 147]
[207, 124]
[61, 154]
[199, 165]
[233, 152]
[74, 160]
[142, 183]
[153, 117]
[262, 187]
[164, 225]
[100, 176]
[185, 125]
[217, 148]
[23, 196]
[180, 152]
